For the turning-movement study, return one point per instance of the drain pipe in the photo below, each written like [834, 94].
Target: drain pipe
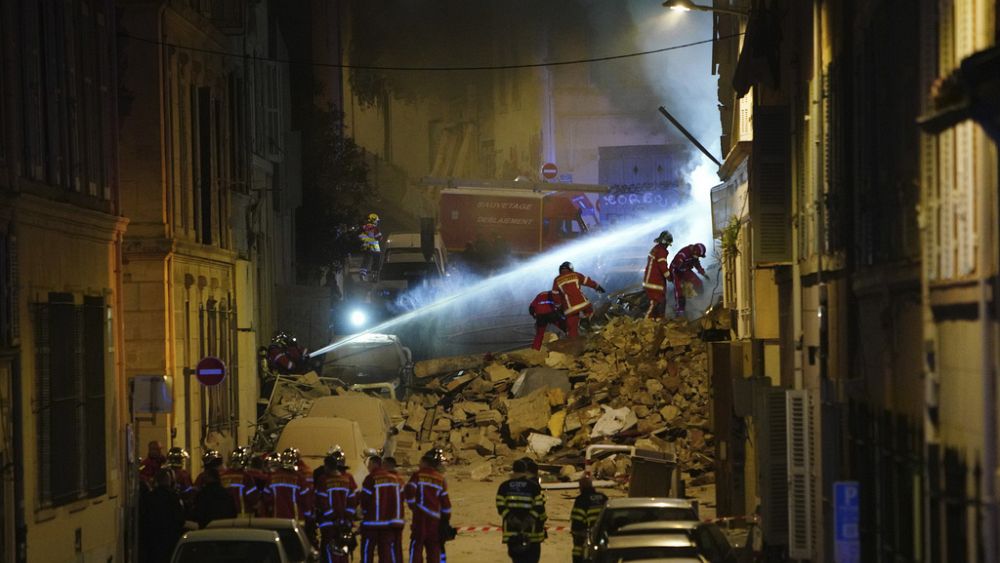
[988, 476]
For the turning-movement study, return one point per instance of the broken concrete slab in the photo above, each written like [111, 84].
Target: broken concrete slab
[529, 413]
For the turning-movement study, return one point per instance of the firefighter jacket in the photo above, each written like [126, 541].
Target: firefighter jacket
[182, 482]
[519, 500]
[381, 500]
[427, 492]
[656, 268]
[289, 495]
[586, 508]
[547, 307]
[685, 261]
[569, 285]
[370, 236]
[336, 496]
[242, 488]
[149, 467]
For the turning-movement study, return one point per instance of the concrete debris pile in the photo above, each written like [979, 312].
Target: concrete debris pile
[637, 381]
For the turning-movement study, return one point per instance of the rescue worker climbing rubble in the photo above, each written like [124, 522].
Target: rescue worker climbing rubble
[575, 305]
[654, 279]
[686, 262]
[371, 237]
[285, 356]
[521, 505]
[586, 509]
[380, 503]
[336, 506]
[546, 309]
[430, 506]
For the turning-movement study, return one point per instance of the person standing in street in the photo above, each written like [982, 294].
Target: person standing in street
[336, 506]
[586, 508]
[546, 309]
[521, 506]
[212, 502]
[176, 458]
[654, 279]
[427, 496]
[152, 463]
[161, 519]
[287, 493]
[686, 262]
[238, 481]
[380, 499]
[575, 305]
[390, 465]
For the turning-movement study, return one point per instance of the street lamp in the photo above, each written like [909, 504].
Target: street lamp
[688, 5]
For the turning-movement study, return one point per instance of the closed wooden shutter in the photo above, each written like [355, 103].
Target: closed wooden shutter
[95, 337]
[770, 186]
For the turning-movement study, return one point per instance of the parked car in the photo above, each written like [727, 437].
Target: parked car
[293, 535]
[370, 358]
[621, 512]
[314, 435]
[649, 547]
[230, 546]
[712, 543]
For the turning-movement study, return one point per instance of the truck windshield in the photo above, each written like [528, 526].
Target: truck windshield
[410, 271]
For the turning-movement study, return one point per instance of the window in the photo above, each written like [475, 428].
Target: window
[217, 331]
[71, 365]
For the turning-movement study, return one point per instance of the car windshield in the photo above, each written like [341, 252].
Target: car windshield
[618, 517]
[292, 544]
[228, 552]
[647, 553]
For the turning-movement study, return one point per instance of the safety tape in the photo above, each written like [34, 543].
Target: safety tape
[469, 529]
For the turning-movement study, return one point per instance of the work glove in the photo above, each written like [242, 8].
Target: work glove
[600, 289]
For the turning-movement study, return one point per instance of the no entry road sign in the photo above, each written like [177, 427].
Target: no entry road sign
[549, 171]
[210, 371]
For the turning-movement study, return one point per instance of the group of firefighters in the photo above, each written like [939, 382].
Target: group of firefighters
[565, 305]
[327, 500]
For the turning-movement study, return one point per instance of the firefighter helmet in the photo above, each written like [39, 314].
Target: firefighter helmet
[289, 459]
[373, 218]
[699, 250]
[211, 457]
[336, 458]
[435, 457]
[272, 460]
[176, 457]
[566, 266]
[281, 339]
[240, 457]
[664, 238]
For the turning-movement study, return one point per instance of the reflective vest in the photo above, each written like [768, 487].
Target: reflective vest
[569, 285]
[656, 268]
[381, 499]
[427, 492]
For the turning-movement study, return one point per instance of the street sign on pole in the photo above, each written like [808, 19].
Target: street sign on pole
[210, 370]
[846, 521]
[549, 171]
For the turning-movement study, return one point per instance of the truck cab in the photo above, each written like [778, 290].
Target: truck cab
[404, 266]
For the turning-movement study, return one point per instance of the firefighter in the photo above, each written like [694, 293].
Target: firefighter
[286, 356]
[287, 492]
[213, 501]
[682, 268]
[336, 505]
[370, 236]
[176, 458]
[389, 463]
[654, 280]
[575, 304]
[380, 507]
[161, 519]
[521, 506]
[239, 480]
[586, 508]
[152, 463]
[427, 496]
[211, 459]
[546, 309]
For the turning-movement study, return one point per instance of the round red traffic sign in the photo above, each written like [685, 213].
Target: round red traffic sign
[210, 371]
[549, 171]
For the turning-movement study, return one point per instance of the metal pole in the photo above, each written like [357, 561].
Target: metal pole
[689, 136]
[988, 533]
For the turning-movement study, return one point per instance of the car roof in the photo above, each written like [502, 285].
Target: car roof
[651, 540]
[231, 534]
[256, 523]
[649, 501]
[660, 526]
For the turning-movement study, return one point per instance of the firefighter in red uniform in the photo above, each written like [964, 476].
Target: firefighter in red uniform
[389, 463]
[575, 304]
[176, 457]
[654, 280]
[380, 507]
[286, 356]
[152, 463]
[239, 482]
[336, 505]
[288, 493]
[682, 268]
[427, 495]
[211, 459]
[370, 236]
[546, 309]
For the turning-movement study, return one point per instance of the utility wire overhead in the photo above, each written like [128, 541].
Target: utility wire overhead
[253, 57]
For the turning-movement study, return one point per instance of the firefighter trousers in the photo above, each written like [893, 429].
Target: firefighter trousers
[327, 535]
[540, 332]
[425, 534]
[382, 541]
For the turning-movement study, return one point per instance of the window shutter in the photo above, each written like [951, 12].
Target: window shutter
[770, 186]
[42, 372]
[771, 437]
[800, 483]
[95, 330]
